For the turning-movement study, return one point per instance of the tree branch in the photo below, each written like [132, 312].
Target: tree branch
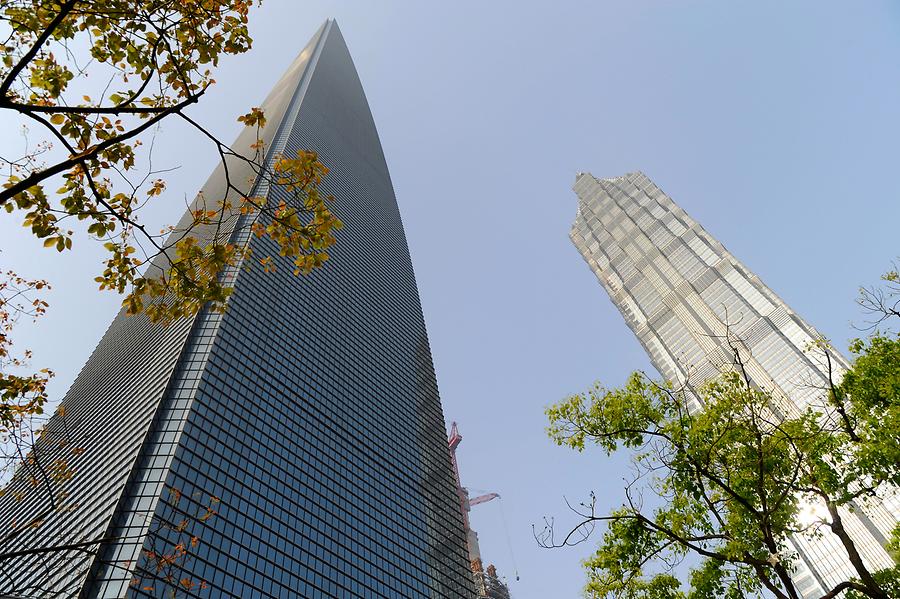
[64, 11]
[92, 152]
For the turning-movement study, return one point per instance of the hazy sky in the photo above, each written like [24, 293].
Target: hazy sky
[774, 124]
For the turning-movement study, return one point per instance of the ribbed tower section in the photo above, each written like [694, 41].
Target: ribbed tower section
[309, 409]
[690, 302]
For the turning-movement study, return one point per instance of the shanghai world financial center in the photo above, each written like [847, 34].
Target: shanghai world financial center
[308, 411]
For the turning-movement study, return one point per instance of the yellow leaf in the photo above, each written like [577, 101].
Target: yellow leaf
[57, 119]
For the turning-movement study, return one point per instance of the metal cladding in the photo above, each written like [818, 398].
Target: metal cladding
[690, 302]
[309, 410]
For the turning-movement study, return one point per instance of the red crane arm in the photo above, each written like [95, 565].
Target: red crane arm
[483, 499]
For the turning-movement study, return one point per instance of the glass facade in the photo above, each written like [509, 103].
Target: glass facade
[685, 296]
[306, 416]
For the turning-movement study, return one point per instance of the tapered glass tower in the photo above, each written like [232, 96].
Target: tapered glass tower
[690, 302]
[299, 434]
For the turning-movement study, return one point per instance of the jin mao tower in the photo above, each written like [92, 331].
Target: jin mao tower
[690, 302]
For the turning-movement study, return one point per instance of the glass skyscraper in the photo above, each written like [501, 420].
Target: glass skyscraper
[299, 434]
[688, 300]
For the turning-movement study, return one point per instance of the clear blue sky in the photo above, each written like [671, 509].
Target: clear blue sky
[774, 124]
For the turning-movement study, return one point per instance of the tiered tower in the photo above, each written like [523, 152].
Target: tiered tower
[690, 302]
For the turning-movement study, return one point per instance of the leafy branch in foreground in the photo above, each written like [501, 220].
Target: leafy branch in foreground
[143, 61]
[20, 395]
[172, 543]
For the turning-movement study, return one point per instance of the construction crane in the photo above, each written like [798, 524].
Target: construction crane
[487, 582]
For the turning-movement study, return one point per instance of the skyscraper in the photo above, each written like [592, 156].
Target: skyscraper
[299, 434]
[688, 301]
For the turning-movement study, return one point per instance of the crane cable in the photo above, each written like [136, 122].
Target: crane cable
[512, 556]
